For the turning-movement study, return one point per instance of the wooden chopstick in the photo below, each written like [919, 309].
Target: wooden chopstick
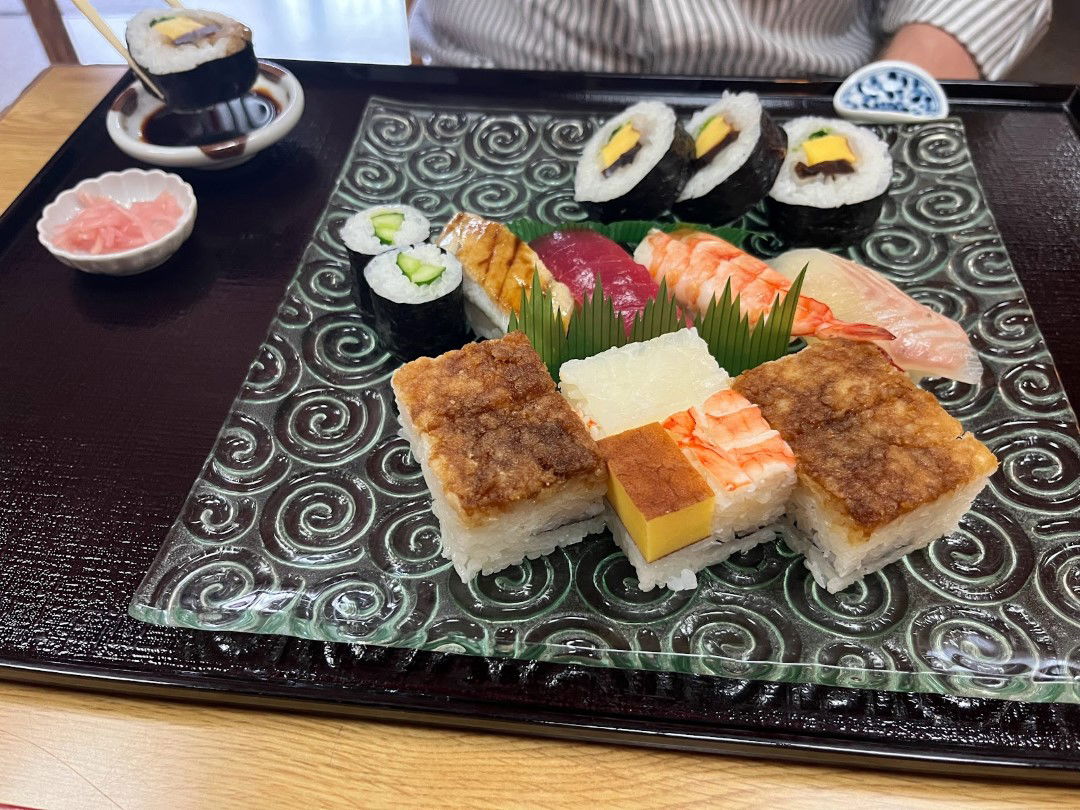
[103, 28]
[174, 3]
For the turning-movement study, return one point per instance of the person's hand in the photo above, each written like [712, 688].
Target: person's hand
[936, 51]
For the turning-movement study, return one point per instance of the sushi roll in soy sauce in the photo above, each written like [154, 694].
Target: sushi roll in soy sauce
[635, 165]
[374, 231]
[738, 151]
[197, 58]
[417, 301]
[832, 185]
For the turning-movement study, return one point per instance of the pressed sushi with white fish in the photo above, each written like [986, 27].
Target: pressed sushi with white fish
[498, 268]
[635, 165]
[882, 469]
[416, 300]
[512, 471]
[738, 151]
[925, 344]
[832, 184]
[712, 441]
[376, 230]
[196, 58]
[697, 267]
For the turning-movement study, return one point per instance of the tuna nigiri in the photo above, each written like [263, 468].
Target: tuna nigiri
[578, 257]
[698, 265]
[927, 343]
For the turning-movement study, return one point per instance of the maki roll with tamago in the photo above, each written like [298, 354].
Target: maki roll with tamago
[635, 165]
[417, 301]
[832, 185]
[738, 151]
[196, 58]
[377, 230]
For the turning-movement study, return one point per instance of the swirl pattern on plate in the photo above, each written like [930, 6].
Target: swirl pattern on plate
[311, 518]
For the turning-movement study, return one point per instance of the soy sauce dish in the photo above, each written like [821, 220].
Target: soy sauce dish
[221, 136]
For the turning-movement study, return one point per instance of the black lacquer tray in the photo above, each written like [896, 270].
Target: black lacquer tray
[116, 389]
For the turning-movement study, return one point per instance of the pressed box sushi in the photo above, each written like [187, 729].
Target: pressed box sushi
[926, 344]
[512, 471]
[579, 257]
[498, 267]
[738, 150]
[377, 230]
[644, 382]
[197, 58]
[832, 184]
[635, 165]
[697, 266]
[416, 300]
[882, 469]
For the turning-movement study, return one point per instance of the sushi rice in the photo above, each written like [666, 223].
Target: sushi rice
[743, 112]
[358, 232]
[386, 280]
[870, 179]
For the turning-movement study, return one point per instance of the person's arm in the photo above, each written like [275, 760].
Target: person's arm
[963, 39]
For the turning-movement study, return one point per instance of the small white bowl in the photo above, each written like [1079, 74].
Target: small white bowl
[129, 112]
[126, 187]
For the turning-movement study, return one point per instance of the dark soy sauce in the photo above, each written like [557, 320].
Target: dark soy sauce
[222, 122]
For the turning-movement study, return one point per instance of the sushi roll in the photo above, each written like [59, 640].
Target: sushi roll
[417, 301]
[738, 151]
[512, 471]
[833, 182]
[635, 165]
[498, 267]
[377, 230]
[196, 58]
[882, 470]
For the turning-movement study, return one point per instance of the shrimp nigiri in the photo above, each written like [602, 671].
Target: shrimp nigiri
[698, 265]
[927, 343]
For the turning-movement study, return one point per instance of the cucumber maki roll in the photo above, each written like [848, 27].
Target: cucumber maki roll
[417, 301]
[635, 165]
[834, 180]
[196, 58]
[377, 230]
[738, 151]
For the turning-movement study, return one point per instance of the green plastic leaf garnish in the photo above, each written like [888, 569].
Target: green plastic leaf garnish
[625, 232]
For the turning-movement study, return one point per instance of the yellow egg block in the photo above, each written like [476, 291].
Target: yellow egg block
[663, 501]
[624, 139]
[827, 148]
[711, 135]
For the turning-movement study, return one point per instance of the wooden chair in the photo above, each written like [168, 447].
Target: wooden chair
[50, 29]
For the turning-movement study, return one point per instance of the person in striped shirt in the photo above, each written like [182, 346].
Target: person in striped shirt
[955, 39]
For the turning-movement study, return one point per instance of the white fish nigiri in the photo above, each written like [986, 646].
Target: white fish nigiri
[927, 343]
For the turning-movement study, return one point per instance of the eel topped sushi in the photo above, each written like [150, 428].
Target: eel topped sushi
[197, 58]
[926, 344]
[513, 472]
[882, 470]
[832, 184]
[498, 267]
[635, 165]
[738, 151]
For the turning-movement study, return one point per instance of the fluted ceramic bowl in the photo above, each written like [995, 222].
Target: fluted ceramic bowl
[126, 187]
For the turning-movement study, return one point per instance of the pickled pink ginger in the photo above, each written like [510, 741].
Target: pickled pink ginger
[578, 258]
[104, 226]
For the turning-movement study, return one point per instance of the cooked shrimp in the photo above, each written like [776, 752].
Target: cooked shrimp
[697, 266]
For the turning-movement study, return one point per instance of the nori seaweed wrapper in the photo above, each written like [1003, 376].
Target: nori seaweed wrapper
[416, 330]
[747, 185]
[210, 83]
[824, 227]
[361, 292]
[656, 191]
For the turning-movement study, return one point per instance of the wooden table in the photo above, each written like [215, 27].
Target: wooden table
[69, 749]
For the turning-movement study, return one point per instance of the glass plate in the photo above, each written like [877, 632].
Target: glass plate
[310, 518]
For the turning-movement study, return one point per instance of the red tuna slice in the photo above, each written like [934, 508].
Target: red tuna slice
[576, 258]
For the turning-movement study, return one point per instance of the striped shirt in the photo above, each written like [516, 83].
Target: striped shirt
[712, 37]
